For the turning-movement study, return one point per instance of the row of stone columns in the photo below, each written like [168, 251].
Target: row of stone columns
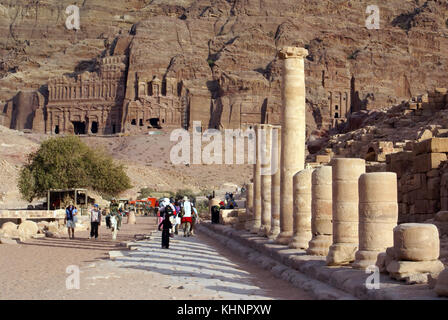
[339, 211]
[321, 210]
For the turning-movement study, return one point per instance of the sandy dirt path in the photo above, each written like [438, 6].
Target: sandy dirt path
[34, 269]
[193, 268]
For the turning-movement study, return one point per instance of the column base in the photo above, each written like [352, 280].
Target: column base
[240, 226]
[255, 226]
[319, 245]
[341, 254]
[264, 231]
[300, 241]
[274, 232]
[364, 259]
[248, 225]
[284, 237]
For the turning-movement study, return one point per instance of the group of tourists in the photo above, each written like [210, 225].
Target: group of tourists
[113, 218]
[173, 215]
[229, 202]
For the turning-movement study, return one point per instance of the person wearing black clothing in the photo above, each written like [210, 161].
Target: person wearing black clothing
[167, 225]
[215, 214]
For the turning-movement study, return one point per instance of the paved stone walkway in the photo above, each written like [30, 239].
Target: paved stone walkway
[193, 268]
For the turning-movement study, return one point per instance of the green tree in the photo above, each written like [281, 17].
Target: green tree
[185, 193]
[66, 162]
[145, 193]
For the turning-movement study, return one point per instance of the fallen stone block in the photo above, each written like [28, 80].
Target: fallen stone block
[9, 229]
[7, 241]
[416, 242]
[428, 161]
[140, 237]
[28, 228]
[433, 145]
[414, 271]
[115, 254]
[53, 226]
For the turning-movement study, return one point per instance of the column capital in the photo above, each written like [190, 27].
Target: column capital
[292, 53]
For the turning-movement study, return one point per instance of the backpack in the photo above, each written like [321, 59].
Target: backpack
[181, 213]
[168, 211]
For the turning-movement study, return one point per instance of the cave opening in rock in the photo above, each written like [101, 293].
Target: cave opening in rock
[154, 122]
[94, 128]
[79, 127]
[134, 122]
[56, 129]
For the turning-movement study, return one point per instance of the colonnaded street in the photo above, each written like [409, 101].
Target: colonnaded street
[193, 268]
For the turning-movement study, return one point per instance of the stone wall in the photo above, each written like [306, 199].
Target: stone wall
[422, 178]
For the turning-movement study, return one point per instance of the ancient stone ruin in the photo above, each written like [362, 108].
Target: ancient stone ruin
[415, 254]
[345, 214]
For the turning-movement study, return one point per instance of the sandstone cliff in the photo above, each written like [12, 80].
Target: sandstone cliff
[224, 51]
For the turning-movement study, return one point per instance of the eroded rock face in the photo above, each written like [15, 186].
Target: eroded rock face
[221, 55]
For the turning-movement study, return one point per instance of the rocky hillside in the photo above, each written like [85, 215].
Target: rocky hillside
[146, 158]
[227, 48]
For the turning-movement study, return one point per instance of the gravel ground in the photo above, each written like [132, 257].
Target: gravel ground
[193, 268]
[35, 269]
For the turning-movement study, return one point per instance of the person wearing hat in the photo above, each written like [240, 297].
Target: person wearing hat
[95, 221]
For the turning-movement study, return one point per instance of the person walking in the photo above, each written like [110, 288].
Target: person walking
[95, 221]
[114, 210]
[215, 213]
[70, 220]
[114, 225]
[187, 217]
[108, 224]
[167, 225]
[178, 219]
[160, 214]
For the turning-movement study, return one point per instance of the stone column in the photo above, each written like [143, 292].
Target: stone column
[302, 209]
[257, 186]
[249, 206]
[345, 176]
[293, 133]
[275, 183]
[378, 216]
[321, 212]
[266, 171]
